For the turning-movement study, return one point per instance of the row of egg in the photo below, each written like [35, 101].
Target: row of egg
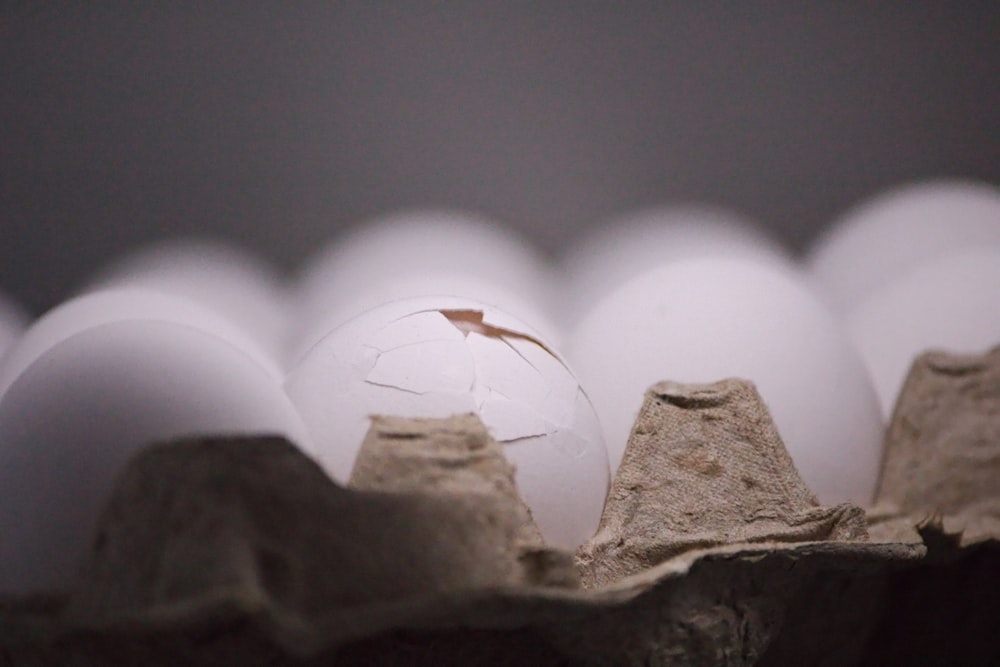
[190, 337]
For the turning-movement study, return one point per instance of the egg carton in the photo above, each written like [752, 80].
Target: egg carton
[711, 549]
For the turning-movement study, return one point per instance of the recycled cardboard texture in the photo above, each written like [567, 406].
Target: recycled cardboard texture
[940, 487]
[946, 427]
[255, 520]
[705, 467]
[770, 603]
[451, 457]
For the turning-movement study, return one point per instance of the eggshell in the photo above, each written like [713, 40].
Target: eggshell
[429, 284]
[114, 305]
[885, 237]
[608, 255]
[408, 244]
[231, 281]
[951, 304]
[713, 318]
[441, 356]
[73, 417]
[13, 320]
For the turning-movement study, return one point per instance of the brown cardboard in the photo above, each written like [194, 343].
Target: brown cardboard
[946, 428]
[705, 467]
[256, 521]
[713, 554]
[940, 488]
[439, 456]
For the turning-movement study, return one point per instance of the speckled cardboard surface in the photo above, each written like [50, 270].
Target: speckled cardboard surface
[245, 553]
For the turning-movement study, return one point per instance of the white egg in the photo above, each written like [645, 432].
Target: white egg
[428, 284]
[896, 232]
[952, 303]
[113, 305]
[233, 282]
[609, 255]
[408, 244]
[441, 356]
[713, 318]
[13, 320]
[73, 417]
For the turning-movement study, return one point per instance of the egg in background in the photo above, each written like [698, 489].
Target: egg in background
[13, 320]
[121, 304]
[701, 320]
[75, 414]
[887, 236]
[388, 251]
[951, 303]
[606, 256]
[234, 282]
[441, 356]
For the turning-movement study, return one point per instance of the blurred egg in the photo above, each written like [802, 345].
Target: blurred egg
[13, 320]
[428, 284]
[951, 303]
[223, 277]
[72, 418]
[707, 319]
[887, 236]
[406, 245]
[114, 305]
[610, 254]
[441, 356]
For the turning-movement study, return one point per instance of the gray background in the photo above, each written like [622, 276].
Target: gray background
[277, 125]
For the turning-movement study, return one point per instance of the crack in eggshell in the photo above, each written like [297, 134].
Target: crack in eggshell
[396, 387]
[498, 366]
[406, 368]
[527, 348]
[472, 320]
[483, 366]
[443, 358]
[403, 348]
[509, 421]
[558, 403]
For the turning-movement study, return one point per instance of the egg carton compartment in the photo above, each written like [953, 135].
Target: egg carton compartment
[711, 549]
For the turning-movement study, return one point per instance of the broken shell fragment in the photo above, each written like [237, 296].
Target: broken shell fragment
[423, 283]
[444, 356]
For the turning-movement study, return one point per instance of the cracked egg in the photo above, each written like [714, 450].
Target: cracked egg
[441, 356]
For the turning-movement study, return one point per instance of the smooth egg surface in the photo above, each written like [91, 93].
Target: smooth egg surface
[897, 231]
[441, 356]
[235, 283]
[707, 319]
[75, 415]
[407, 244]
[119, 304]
[951, 303]
[608, 255]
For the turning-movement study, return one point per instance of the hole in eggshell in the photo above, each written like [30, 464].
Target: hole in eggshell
[473, 321]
